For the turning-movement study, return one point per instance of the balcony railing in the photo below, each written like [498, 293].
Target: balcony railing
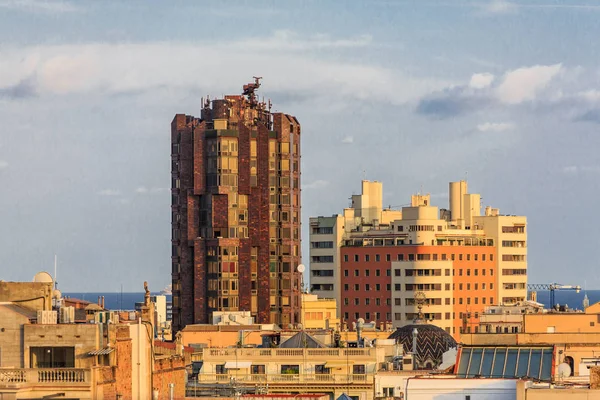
[45, 375]
[285, 378]
[243, 352]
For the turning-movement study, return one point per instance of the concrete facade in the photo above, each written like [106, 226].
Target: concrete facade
[378, 259]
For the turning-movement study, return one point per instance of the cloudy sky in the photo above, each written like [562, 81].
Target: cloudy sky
[411, 93]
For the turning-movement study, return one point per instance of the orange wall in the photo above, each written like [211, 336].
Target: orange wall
[221, 339]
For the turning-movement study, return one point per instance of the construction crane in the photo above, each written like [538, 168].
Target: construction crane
[551, 287]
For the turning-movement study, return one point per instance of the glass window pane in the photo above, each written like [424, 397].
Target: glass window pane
[487, 363]
[464, 362]
[534, 363]
[475, 364]
[498, 369]
[523, 365]
[546, 364]
[511, 363]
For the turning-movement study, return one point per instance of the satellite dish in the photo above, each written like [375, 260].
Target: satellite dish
[43, 277]
[301, 268]
[564, 370]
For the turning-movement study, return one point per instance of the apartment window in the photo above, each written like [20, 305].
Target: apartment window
[388, 272]
[368, 315]
[388, 316]
[345, 272]
[356, 315]
[356, 258]
[468, 257]
[447, 272]
[476, 271]
[468, 300]
[356, 301]
[377, 287]
[447, 315]
[460, 272]
[460, 286]
[491, 300]
[397, 316]
[346, 287]
[367, 257]
[346, 316]
[400, 257]
[444, 257]
[377, 303]
[483, 272]
[476, 286]
[468, 272]
[377, 259]
[483, 257]
[398, 302]
[468, 286]
[346, 301]
[460, 257]
[345, 257]
[397, 272]
[447, 286]
[483, 300]
[483, 286]
[491, 286]
[453, 257]
[388, 257]
[356, 287]
[475, 256]
[356, 273]
[435, 257]
[447, 301]
[367, 287]
[377, 272]
[290, 369]
[460, 300]
[388, 287]
[367, 272]
[476, 302]
[52, 357]
[397, 287]
[491, 257]
[411, 257]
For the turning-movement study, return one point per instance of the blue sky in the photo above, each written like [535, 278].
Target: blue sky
[414, 94]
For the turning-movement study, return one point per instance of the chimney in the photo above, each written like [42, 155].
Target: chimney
[102, 302]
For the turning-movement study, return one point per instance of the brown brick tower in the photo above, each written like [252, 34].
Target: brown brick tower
[235, 211]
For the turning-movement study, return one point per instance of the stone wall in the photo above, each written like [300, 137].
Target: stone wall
[169, 370]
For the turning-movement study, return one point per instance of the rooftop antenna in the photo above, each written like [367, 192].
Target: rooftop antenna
[55, 285]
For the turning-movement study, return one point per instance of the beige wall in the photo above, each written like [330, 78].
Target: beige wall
[33, 295]
[221, 338]
[319, 313]
[562, 323]
[404, 296]
[11, 345]
[83, 337]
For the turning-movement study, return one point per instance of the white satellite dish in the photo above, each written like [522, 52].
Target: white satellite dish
[564, 370]
[301, 268]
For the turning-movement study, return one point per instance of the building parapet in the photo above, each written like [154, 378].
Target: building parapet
[286, 378]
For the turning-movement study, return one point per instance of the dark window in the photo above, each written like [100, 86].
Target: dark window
[290, 369]
[52, 357]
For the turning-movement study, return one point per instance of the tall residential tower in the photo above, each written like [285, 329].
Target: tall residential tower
[236, 211]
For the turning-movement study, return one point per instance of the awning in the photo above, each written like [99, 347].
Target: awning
[101, 352]
[339, 364]
[237, 364]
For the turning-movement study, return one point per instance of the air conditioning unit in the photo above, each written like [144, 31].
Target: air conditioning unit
[67, 315]
[46, 317]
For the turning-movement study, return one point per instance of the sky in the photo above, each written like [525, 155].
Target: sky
[410, 93]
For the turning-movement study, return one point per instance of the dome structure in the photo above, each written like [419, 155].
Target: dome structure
[432, 343]
[43, 277]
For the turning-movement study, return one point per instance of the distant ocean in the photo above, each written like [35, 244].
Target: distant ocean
[113, 300]
[126, 301]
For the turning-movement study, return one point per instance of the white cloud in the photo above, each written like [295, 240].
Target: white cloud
[500, 7]
[495, 126]
[115, 68]
[3, 164]
[480, 81]
[592, 95]
[348, 140]
[575, 169]
[523, 84]
[154, 190]
[109, 192]
[39, 6]
[315, 185]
